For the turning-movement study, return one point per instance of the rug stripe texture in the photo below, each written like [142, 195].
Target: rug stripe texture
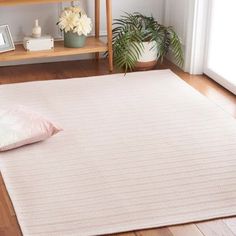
[140, 151]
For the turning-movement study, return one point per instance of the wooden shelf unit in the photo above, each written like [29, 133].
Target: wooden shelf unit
[93, 44]
[18, 2]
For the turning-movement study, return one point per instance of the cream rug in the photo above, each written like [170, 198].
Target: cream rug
[137, 152]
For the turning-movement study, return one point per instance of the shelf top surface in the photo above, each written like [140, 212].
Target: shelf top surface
[17, 2]
[92, 45]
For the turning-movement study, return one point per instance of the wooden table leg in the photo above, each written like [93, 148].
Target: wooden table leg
[97, 23]
[109, 33]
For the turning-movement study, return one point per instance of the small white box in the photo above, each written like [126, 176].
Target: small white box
[38, 44]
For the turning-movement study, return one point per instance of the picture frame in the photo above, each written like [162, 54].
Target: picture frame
[6, 41]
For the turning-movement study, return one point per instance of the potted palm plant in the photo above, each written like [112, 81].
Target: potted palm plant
[140, 41]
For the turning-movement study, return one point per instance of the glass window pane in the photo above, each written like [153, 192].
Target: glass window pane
[222, 41]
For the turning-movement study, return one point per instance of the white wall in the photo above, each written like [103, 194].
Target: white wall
[20, 18]
[149, 7]
[176, 15]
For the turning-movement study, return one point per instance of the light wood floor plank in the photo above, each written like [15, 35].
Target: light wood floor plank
[155, 232]
[215, 228]
[123, 234]
[188, 230]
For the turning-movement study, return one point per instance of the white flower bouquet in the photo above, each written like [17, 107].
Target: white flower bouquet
[74, 19]
[76, 26]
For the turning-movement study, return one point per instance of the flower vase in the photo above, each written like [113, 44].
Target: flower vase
[73, 40]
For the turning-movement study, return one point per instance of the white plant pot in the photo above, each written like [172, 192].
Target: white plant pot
[148, 58]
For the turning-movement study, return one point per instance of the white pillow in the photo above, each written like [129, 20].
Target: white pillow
[19, 127]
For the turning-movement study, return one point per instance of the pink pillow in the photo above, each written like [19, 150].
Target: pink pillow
[19, 127]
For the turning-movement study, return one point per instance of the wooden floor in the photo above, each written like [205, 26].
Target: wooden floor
[63, 70]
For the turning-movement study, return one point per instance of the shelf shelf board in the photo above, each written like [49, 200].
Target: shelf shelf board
[18, 2]
[92, 45]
